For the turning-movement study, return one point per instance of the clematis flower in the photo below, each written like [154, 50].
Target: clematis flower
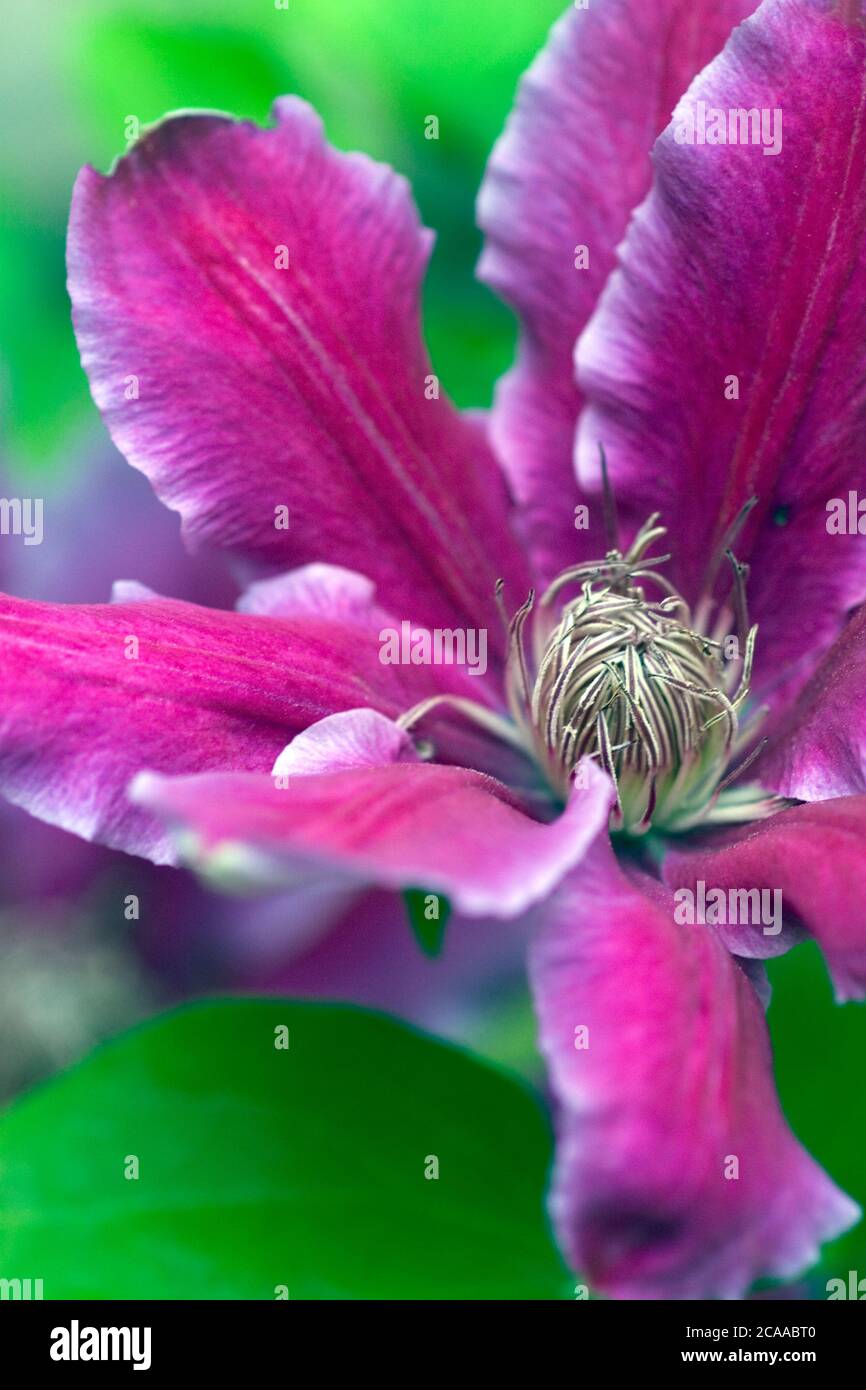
[246, 306]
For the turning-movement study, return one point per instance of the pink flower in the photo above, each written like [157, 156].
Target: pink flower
[246, 304]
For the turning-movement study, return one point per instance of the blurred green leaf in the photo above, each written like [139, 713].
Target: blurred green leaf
[131, 65]
[43, 392]
[819, 1048]
[263, 1166]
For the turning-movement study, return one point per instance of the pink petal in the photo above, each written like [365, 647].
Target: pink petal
[749, 266]
[819, 751]
[208, 690]
[815, 858]
[351, 739]
[403, 824]
[571, 166]
[674, 1084]
[325, 589]
[241, 387]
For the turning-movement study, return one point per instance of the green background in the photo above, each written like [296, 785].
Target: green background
[70, 76]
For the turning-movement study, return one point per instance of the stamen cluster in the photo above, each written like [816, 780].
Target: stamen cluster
[627, 680]
[622, 674]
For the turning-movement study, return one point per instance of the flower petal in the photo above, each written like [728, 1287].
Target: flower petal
[814, 857]
[351, 739]
[246, 306]
[569, 169]
[91, 695]
[325, 589]
[727, 358]
[668, 1086]
[819, 750]
[399, 825]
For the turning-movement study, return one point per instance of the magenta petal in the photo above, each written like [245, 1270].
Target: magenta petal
[84, 708]
[819, 751]
[246, 306]
[568, 171]
[815, 858]
[399, 825]
[669, 1083]
[727, 358]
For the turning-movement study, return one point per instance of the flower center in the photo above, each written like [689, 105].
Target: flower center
[621, 673]
[624, 677]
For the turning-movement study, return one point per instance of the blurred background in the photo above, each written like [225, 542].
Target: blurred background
[75, 966]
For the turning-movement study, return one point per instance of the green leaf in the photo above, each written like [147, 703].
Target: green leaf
[429, 931]
[818, 1051]
[261, 1166]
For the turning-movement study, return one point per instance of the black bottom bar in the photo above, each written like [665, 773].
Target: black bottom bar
[225, 1339]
